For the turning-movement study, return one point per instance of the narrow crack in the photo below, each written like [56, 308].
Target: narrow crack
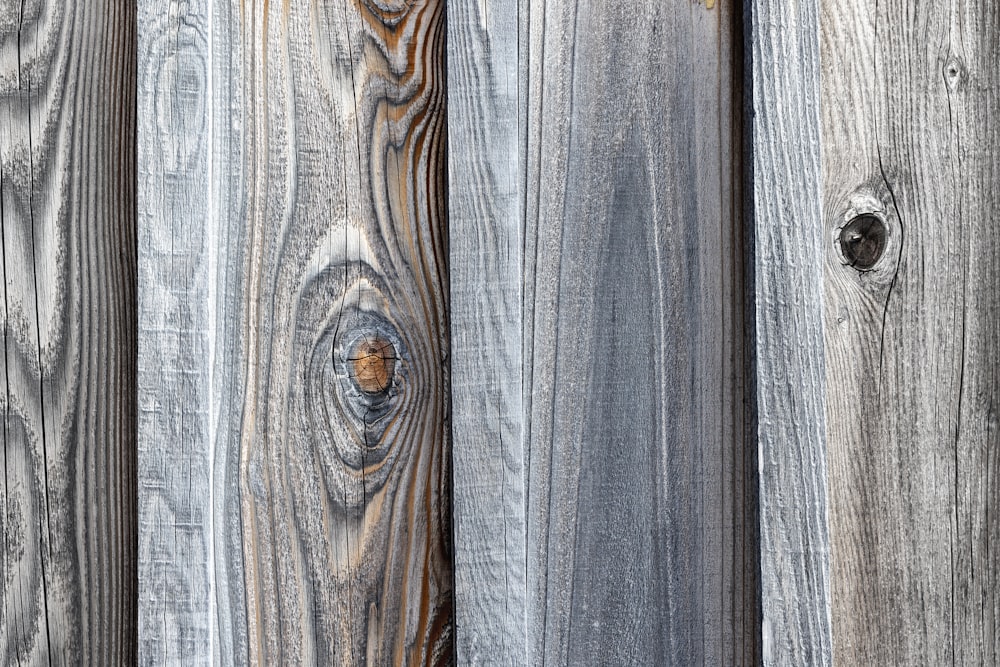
[45, 546]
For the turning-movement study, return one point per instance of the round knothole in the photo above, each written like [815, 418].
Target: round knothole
[373, 362]
[954, 73]
[862, 241]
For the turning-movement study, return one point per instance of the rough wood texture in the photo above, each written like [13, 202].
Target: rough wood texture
[67, 564]
[345, 491]
[633, 351]
[788, 246]
[191, 244]
[484, 220]
[296, 483]
[911, 107]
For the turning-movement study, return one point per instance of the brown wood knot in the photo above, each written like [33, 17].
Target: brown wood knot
[863, 240]
[373, 362]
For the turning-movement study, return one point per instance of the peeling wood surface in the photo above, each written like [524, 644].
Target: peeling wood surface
[67, 236]
[789, 353]
[485, 234]
[638, 495]
[913, 372]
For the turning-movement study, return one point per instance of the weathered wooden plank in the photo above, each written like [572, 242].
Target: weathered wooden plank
[911, 98]
[190, 193]
[67, 229]
[344, 466]
[485, 232]
[637, 503]
[174, 336]
[295, 375]
[788, 250]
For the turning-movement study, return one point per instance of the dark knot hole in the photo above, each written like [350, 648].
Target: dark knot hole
[862, 241]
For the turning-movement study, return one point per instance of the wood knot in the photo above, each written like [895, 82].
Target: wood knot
[863, 240]
[373, 361]
[954, 73]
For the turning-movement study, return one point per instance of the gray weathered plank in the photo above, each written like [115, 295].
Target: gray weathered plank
[174, 336]
[789, 366]
[295, 375]
[190, 193]
[67, 563]
[633, 337]
[344, 465]
[911, 105]
[484, 221]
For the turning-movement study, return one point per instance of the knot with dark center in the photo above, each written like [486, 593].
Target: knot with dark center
[862, 241]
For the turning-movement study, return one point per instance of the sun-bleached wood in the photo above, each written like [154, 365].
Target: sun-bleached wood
[485, 232]
[190, 193]
[640, 520]
[67, 238]
[911, 104]
[787, 252]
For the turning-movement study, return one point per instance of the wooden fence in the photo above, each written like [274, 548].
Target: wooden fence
[500, 332]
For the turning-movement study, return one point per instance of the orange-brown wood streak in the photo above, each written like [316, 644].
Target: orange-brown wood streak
[344, 478]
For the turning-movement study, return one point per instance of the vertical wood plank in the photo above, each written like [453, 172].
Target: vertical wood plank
[175, 523]
[789, 354]
[633, 344]
[344, 466]
[910, 112]
[190, 220]
[485, 232]
[296, 477]
[67, 231]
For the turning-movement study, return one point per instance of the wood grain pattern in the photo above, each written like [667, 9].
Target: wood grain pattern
[67, 564]
[295, 485]
[190, 186]
[345, 492]
[637, 508]
[910, 111]
[485, 232]
[789, 354]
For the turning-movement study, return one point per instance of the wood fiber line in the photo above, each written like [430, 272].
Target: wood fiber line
[345, 486]
[67, 231]
[637, 496]
[910, 115]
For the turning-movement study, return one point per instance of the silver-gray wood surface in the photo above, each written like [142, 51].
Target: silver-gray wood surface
[291, 218]
[789, 361]
[633, 337]
[67, 238]
[190, 193]
[911, 106]
[485, 234]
